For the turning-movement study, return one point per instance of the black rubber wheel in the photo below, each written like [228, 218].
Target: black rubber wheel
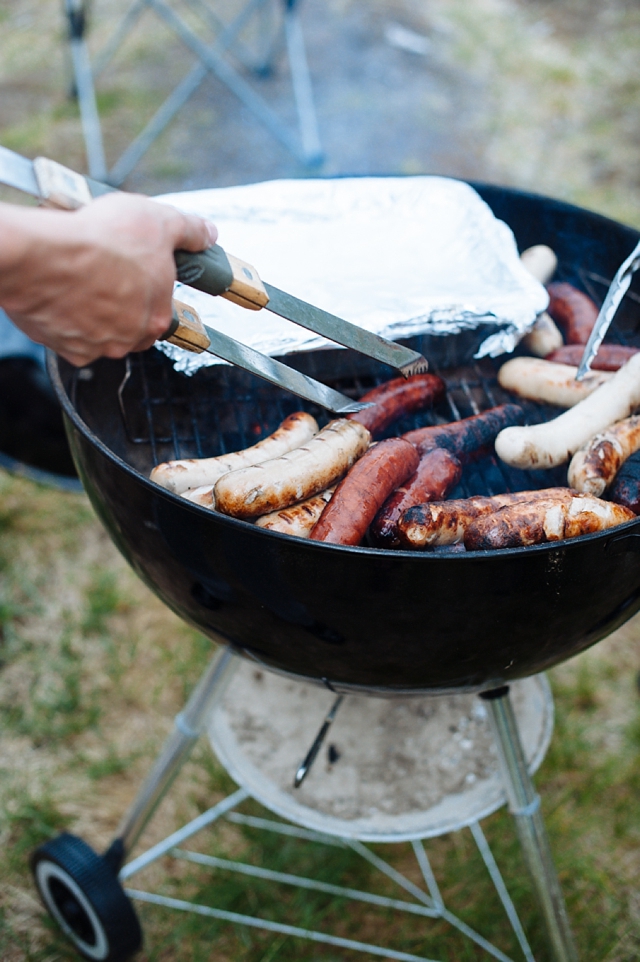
[82, 893]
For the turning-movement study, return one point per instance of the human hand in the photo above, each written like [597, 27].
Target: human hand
[96, 282]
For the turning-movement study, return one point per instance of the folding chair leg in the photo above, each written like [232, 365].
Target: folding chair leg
[77, 17]
[302, 90]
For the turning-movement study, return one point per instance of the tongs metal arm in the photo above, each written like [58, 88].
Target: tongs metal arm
[619, 287]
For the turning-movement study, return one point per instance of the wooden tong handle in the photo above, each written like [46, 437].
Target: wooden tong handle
[212, 271]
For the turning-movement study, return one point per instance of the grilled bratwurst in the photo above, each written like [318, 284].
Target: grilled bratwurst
[178, 476]
[297, 475]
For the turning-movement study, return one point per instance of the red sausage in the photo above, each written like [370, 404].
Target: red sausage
[625, 489]
[396, 398]
[361, 494]
[610, 357]
[438, 472]
[573, 311]
[468, 437]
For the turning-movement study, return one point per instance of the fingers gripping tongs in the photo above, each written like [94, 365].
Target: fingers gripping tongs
[218, 273]
[611, 303]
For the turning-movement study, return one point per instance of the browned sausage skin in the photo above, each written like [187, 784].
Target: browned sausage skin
[401, 396]
[541, 521]
[625, 489]
[360, 495]
[445, 522]
[573, 311]
[469, 437]
[438, 472]
[610, 357]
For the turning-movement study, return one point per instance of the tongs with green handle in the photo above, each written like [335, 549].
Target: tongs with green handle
[218, 273]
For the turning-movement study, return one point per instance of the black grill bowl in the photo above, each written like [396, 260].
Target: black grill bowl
[354, 618]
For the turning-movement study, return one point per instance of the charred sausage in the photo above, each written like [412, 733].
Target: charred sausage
[549, 383]
[295, 476]
[361, 494]
[438, 472]
[401, 396]
[445, 522]
[554, 442]
[573, 311]
[178, 476]
[470, 436]
[299, 519]
[610, 357]
[536, 522]
[625, 489]
[594, 466]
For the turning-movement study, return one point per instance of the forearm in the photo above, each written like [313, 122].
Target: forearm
[40, 253]
[98, 281]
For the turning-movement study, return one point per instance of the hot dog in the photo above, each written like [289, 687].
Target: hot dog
[554, 442]
[536, 522]
[625, 489]
[594, 466]
[470, 436]
[573, 311]
[299, 519]
[178, 476]
[548, 383]
[438, 472]
[445, 522]
[295, 476]
[610, 357]
[544, 336]
[361, 494]
[396, 398]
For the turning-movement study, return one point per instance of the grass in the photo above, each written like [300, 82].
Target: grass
[93, 667]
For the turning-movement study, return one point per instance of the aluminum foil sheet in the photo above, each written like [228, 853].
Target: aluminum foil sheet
[397, 255]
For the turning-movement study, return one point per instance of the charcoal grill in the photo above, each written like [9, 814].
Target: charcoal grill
[359, 619]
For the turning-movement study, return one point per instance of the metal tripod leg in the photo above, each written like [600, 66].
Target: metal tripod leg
[189, 724]
[524, 804]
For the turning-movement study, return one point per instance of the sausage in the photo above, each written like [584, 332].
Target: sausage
[202, 495]
[362, 493]
[299, 519]
[610, 357]
[537, 522]
[594, 466]
[396, 398]
[544, 337]
[573, 311]
[468, 437]
[554, 442]
[178, 476]
[625, 489]
[548, 383]
[445, 522]
[297, 475]
[540, 261]
[438, 472]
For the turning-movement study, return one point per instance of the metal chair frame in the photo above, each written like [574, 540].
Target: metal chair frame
[210, 58]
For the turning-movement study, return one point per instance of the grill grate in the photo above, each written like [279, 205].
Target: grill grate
[168, 415]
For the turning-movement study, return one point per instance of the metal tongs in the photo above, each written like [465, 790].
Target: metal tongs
[611, 303]
[216, 272]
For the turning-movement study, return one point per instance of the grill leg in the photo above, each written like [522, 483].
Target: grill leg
[188, 726]
[524, 804]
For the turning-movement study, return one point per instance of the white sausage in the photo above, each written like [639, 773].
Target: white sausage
[540, 261]
[545, 336]
[295, 476]
[178, 476]
[299, 519]
[202, 495]
[548, 382]
[595, 465]
[550, 444]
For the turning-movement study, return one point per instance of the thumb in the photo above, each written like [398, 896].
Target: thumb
[190, 232]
